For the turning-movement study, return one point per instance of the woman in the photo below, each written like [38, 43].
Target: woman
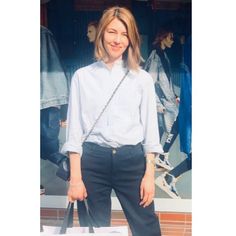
[119, 152]
[158, 65]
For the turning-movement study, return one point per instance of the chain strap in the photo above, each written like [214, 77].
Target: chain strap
[106, 105]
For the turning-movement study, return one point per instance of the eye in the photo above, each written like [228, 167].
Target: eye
[111, 31]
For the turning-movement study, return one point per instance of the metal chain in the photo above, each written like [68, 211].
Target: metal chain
[105, 106]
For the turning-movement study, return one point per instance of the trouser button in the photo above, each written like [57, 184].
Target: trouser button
[113, 151]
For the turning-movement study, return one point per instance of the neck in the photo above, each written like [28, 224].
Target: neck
[162, 46]
[110, 62]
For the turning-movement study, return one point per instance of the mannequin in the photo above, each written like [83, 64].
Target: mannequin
[91, 32]
[167, 181]
[158, 65]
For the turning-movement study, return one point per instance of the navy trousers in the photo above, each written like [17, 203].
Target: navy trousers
[120, 169]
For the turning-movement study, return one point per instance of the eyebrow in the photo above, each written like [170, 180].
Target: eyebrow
[116, 30]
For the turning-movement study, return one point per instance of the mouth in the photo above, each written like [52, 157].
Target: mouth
[115, 48]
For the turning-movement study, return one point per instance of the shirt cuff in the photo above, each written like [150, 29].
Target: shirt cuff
[70, 148]
[153, 148]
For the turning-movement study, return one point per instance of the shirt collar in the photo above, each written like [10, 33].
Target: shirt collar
[118, 64]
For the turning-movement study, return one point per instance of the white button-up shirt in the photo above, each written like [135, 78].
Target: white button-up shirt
[130, 117]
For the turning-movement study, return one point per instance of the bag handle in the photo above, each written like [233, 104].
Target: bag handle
[68, 219]
[90, 222]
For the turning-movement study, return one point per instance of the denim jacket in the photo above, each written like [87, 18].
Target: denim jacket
[165, 96]
[54, 89]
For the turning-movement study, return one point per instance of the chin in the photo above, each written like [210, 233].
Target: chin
[114, 58]
[117, 56]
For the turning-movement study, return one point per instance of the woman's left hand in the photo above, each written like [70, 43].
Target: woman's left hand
[147, 190]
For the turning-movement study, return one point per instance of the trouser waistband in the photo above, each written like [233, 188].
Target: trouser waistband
[122, 149]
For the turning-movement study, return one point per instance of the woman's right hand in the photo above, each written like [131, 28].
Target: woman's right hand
[77, 191]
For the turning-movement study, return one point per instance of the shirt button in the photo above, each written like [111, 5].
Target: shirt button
[113, 151]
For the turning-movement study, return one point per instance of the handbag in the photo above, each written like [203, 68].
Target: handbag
[63, 171]
[67, 226]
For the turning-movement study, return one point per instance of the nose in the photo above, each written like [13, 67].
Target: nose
[117, 38]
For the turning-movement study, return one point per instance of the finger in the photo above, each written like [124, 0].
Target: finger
[70, 199]
[149, 200]
[147, 203]
[85, 194]
[81, 198]
[144, 199]
[141, 192]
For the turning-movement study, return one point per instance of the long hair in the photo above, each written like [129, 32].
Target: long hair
[131, 56]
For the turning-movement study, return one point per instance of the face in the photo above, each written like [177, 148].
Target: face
[115, 40]
[168, 41]
[91, 33]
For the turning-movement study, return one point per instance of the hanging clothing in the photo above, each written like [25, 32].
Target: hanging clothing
[54, 95]
[53, 81]
[185, 107]
[185, 111]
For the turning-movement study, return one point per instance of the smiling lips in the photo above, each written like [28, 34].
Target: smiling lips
[115, 48]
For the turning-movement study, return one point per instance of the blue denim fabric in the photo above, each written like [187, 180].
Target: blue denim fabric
[185, 111]
[54, 89]
[49, 132]
[182, 167]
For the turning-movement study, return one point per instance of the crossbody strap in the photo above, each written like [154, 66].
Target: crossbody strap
[95, 122]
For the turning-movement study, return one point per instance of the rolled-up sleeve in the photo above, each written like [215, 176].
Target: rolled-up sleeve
[74, 129]
[151, 142]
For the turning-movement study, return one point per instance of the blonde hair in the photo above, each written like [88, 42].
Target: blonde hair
[131, 56]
